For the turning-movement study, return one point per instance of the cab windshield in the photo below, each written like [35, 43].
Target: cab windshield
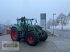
[29, 22]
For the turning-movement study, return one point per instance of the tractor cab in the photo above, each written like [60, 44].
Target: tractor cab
[26, 24]
[25, 21]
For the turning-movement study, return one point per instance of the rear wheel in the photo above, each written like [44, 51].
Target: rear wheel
[14, 34]
[32, 39]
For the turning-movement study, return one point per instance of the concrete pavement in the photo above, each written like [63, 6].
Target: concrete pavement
[52, 44]
[46, 46]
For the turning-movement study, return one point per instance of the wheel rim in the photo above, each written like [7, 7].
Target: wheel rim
[13, 34]
[30, 39]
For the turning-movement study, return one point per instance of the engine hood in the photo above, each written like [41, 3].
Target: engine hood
[35, 28]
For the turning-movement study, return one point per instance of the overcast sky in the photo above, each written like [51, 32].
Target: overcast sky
[11, 9]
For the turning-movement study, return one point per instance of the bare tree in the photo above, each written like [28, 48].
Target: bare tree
[68, 18]
[55, 22]
[61, 19]
[50, 23]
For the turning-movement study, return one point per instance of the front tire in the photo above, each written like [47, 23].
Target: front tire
[44, 36]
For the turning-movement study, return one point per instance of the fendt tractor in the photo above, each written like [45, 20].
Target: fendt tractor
[31, 33]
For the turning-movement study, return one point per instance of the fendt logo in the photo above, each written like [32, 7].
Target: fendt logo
[10, 45]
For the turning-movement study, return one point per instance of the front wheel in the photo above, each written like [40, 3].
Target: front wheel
[32, 39]
[44, 36]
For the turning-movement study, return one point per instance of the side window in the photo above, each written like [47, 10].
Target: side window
[22, 22]
[26, 22]
[19, 22]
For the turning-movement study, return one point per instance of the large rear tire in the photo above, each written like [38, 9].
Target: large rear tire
[32, 39]
[14, 34]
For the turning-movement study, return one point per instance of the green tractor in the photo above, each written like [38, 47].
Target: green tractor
[24, 29]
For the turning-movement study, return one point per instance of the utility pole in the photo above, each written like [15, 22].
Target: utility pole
[53, 22]
[62, 23]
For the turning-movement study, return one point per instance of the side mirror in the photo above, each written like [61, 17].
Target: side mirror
[35, 22]
[32, 19]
